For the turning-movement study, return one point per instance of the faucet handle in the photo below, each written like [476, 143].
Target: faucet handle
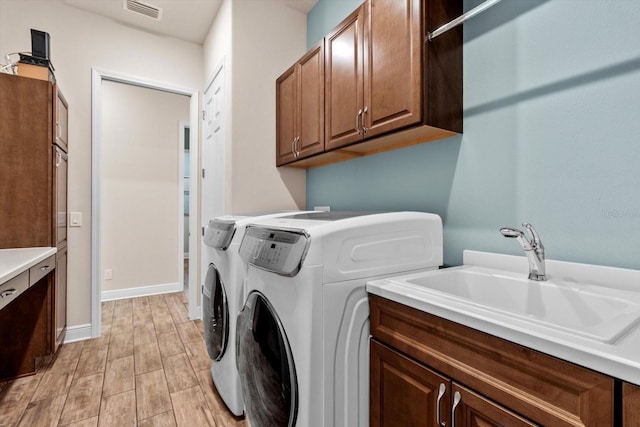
[536, 242]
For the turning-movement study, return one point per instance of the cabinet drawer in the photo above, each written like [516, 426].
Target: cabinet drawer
[41, 269]
[542, 388]
[13, 288]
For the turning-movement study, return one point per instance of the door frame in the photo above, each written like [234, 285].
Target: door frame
[97, 77]
[182, 125]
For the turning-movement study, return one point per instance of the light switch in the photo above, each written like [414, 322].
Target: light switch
[75, 219]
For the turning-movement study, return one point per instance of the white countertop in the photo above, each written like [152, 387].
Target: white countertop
[619, 359]
[15, 261]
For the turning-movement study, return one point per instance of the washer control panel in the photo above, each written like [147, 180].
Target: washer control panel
[279, 251]
[219, 233]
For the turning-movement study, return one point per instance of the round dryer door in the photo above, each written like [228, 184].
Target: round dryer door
[216, 314]
[265, 364]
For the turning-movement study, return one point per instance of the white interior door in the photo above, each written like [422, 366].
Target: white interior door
[213, 155]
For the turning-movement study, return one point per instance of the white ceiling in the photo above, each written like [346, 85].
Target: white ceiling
[188, 20]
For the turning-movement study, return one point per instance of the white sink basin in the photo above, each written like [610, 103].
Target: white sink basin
[587, 310]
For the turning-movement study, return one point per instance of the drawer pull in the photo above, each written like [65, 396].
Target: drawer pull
[441, 391]
[456, 401]
[7, 293]
[45, 267]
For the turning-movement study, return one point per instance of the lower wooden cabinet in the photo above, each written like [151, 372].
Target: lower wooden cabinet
[487, 381]
[406, 393]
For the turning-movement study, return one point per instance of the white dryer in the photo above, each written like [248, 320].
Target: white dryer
[303, 333]
[222, 299]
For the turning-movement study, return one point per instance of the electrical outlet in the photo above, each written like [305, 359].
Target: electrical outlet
[108, 274]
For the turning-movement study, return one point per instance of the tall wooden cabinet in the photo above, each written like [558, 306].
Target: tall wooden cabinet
[33, 178]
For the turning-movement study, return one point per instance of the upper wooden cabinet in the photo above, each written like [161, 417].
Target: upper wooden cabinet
[300, 108]
[385, 86]
[373, 72]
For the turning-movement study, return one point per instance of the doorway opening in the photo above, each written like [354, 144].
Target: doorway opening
[98, 77]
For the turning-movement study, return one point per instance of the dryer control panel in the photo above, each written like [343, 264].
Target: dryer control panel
[219, 233]
[279, 251]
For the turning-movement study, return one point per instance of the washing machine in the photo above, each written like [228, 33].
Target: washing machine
[302, 343]
[222, 299]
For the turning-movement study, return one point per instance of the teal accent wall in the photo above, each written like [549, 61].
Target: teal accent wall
[551, 136]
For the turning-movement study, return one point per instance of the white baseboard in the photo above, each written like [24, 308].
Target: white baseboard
[141, 291]
[78, 333]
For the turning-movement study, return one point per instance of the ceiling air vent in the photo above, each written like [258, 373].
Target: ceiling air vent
[145, 9]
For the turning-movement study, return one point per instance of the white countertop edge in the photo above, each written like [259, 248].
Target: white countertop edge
[608, 363]
[15, 261]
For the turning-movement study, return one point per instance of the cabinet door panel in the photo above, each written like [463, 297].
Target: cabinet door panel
[26, 172]
[476, 411]
[60, 298]
[60, 197]
[286, 114]
[344, 81]
[631, 405]
[61, 122]
[392, 78]
[310, 97]
[404, 393]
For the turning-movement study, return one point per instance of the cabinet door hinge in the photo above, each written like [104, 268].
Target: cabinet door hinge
[203, 114]
[202, 173]
[203, 231]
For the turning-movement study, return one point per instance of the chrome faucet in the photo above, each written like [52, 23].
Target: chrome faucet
[533, 248]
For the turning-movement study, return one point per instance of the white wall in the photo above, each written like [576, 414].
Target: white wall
[266, 39]
[141, 185]
[80, 41]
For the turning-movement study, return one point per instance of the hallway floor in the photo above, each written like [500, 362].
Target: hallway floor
[149, 368]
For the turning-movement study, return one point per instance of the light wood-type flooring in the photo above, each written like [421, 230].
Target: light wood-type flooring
[149, 368]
